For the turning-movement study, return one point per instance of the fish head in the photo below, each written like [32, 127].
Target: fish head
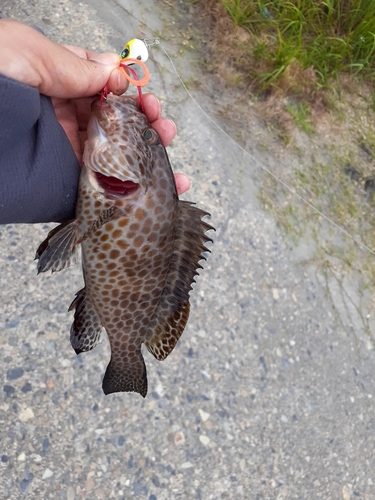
[118, 150]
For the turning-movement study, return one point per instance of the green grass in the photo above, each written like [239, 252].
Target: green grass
[331, 36]
[300, 113]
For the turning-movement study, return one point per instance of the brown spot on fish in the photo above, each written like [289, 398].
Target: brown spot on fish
[122, 244]
[134, 228]
[123, 222]
[138, 240]
[152, 237]
[149, 203]
[117, 233]
[114, 254]
[140, 214]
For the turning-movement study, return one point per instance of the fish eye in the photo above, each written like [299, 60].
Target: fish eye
[150, 135]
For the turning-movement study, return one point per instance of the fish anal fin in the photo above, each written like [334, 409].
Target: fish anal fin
[172, 313]
[86, 327]
[126, 375]
[165, 336]
[59, 250]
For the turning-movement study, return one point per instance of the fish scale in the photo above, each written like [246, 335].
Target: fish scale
[141, 247]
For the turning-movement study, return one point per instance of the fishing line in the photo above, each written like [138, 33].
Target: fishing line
[136, 51]
[275, 177]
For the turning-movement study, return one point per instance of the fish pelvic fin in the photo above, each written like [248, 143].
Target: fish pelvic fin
[171, 316]
[126, 376]
[59, 250]
[85, 331]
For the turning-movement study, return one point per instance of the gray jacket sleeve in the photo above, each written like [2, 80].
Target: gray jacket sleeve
[39, 171]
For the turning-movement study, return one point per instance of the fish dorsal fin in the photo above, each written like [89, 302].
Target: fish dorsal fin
[59, 250]
[172, 313]
[86, 328]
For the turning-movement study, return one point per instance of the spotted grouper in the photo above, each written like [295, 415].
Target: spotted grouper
[141, 245]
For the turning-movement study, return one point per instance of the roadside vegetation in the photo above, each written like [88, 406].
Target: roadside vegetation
[307, 68]
[331, 37]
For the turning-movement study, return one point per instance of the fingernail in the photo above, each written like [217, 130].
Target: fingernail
[175, 127]
[160, 110]
[108, 59]
[122, 81]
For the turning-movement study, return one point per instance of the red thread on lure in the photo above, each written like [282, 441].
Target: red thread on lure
[135, 76]
[103, 95]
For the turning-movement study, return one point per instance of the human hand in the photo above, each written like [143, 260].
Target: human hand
[71, 76]
[56, 70]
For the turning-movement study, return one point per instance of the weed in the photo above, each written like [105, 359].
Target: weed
[192, 83]
[300, 113]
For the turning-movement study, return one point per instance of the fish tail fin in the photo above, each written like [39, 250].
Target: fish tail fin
[125, 376]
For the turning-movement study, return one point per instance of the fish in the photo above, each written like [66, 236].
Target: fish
[141, 245]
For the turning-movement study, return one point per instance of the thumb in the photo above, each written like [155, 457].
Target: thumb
[117, 81]
[81, 75]
[108, 58]
[53, 69]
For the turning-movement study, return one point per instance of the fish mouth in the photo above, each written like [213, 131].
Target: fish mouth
[114, 186]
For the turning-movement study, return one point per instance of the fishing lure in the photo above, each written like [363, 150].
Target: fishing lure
[134, 52]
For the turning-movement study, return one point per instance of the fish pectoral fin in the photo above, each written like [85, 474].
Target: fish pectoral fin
[59, 250]
[104, 217]
[126, 376]
[171, 316]
[86, 327]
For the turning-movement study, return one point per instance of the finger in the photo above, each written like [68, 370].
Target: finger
[152, 107]
[117, 82]
[82, 139]
[81, 77]
[183, 183]
[65, 113]
[164, 127]
[166, 130]
[83, 110]
[78, 51]
[53, 69]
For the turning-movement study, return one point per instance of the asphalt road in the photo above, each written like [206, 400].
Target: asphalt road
[267, 395]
